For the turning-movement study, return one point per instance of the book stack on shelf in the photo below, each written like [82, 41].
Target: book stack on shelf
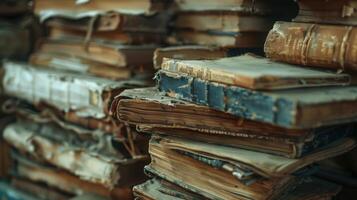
[65, 144]
[246, 127]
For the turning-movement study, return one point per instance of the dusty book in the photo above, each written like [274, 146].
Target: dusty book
[67, 62]
[150, 111]
[136, 7]
[61, 180]
[218, 38]
[88, 96]
[253, 72]
[246, 164]
[247, 7]
[328, 12]
[110, 21]
[196, 52]
[112, 54]
[223, 21]
[91, 159]
[308, 44]
[305, 188]
[159, 189]
[294, 108]
[207, 177]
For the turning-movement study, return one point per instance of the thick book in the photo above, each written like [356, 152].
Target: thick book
[60, 179]
[159, 189]
[305, 189]
[67, 62]
[135, 7]
[294, 108]
[112, 54]
[248, 166]
[223, 21]
[218, 38]
[209, 178]
[150, 111]
[248, 7]
[308, 44]
[255, 73]
[109, 37]
[86, 158]
[88, 96]
[197, 52]
[343, 12]
[110, 21]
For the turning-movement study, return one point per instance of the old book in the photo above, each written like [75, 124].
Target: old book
[294, 108]
[196, 52]
[129, 142]
[217, 38]
[63, 181]
[5, 159]
[328, 12]
[153, 112]
[110, 21]
[259, 7]
[308, 188]
[88, 96]
[325, 46]
[245, 162]
[14, 7]
[91, 160]
[135, 7]
[67, 62]
[114, 37]
[223, 22]
[113, 54]
[159, 189]
[207, 177]
[254, 72]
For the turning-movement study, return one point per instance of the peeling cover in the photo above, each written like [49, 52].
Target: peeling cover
[87, 96]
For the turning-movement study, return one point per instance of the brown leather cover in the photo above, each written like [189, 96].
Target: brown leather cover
[316, 45]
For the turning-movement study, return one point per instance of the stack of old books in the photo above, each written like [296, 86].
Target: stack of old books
[241, 128]
[323, 35]
[65, 144]
[247, 127]
[216, 29]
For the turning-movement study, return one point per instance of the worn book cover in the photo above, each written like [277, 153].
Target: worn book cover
[343, 12]
[318, 45]
[294, 108]
[150, 111]
[253, 72]
[88, 96]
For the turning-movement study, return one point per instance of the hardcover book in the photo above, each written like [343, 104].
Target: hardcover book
[150, 111]
[86, 158]
[254, 72]
[324, 46]
[294, 108]
[343, 12]
[86, 95]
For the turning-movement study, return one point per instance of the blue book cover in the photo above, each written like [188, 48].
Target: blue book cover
[293, 108]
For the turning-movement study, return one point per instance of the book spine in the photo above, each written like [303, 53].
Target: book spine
[240, 102]
[326, 46]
